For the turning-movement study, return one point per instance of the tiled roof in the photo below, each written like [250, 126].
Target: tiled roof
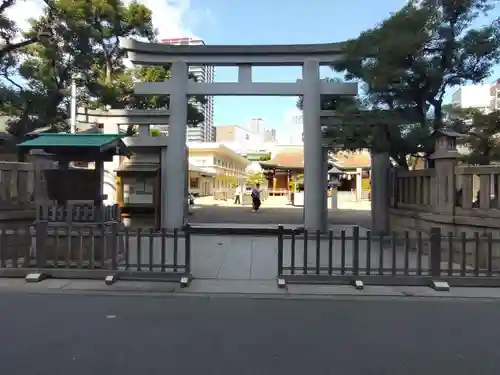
[343, 160]
[353, 159]
[290, 158]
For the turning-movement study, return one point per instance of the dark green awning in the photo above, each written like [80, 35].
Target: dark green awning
[77, 144]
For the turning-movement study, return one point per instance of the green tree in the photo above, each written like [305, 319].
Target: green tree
[335, 102]
[85, 42]
[154, 132]
[256, 178]
[265, 157]
[412, 58]
[10, 40]
[46, 72]
[480, 135]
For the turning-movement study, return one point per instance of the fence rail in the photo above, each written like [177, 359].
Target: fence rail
[398, 259]
[93, 252]
[337, 257]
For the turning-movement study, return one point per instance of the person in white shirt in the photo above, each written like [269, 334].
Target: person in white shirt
[237, 195]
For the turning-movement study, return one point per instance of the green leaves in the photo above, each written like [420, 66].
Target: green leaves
[83, 42]
[409, 61]
[480, 134]
[255, 178]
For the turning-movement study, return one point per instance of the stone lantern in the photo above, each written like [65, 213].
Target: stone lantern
[445, 144]
[445, 158]
[334, 177]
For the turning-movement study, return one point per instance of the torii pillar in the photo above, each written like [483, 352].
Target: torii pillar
[314, 171]
[174, 166]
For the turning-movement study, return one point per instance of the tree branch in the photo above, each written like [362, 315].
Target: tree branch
[10, 47]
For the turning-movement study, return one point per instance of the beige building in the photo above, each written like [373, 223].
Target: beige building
[214, 169]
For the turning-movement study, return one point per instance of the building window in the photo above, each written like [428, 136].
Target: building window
[194, 183]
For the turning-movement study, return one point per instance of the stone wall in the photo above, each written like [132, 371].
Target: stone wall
[460, 200]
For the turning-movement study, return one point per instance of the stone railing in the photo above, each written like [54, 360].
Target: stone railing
[17, 185]
[78, 213]
[463, 200]
[478, 190]
[413, 189]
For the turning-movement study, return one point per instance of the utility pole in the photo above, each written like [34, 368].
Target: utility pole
[73, 106]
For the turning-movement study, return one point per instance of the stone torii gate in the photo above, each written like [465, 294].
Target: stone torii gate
[309, 56]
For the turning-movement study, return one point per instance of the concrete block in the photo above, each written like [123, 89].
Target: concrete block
[440, 286]
[185, 281]
[358, 284]
[281, 283]
[110, 279]
[34, 277]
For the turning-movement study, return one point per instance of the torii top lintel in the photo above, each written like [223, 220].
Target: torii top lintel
[264, 55]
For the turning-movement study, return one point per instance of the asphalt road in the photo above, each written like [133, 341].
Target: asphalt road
[83, 334]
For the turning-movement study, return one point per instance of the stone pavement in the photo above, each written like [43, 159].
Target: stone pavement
[273, 211]
[274, 215]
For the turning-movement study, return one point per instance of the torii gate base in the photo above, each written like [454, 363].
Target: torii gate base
[179, 87]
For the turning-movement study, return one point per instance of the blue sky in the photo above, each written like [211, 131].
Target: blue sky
[281, 22]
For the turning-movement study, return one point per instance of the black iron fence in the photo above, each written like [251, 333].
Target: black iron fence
[341, 256]
[397, 259]
[94, 252]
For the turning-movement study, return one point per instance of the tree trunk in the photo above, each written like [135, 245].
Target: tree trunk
[109, 69]
[438, 115]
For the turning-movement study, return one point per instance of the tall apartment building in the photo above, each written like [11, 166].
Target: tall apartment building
[256, 125]
[485, 97]
[269, 135]
[214, 134]
[204, 74]
[296, 126]
[235, 137]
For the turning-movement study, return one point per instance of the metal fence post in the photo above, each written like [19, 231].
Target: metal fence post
[115, 242]
[280, 249]
[355, 250]
[41, 229]
[187, 247]
[435, 252]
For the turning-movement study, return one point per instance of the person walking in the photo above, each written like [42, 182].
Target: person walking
[237, 195]
[256, 198]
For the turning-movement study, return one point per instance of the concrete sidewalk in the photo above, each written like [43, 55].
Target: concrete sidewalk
[249, 288]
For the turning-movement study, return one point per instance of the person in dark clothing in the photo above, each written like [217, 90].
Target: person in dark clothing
[256, 198]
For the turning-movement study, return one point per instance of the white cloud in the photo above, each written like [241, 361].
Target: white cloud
[172, 18]
[169, 17]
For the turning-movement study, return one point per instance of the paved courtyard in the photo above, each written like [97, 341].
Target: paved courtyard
[274, 215]
[274, 211]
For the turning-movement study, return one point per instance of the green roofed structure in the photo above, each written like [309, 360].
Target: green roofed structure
[76, 184]
[72, 198]
[78, 147]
